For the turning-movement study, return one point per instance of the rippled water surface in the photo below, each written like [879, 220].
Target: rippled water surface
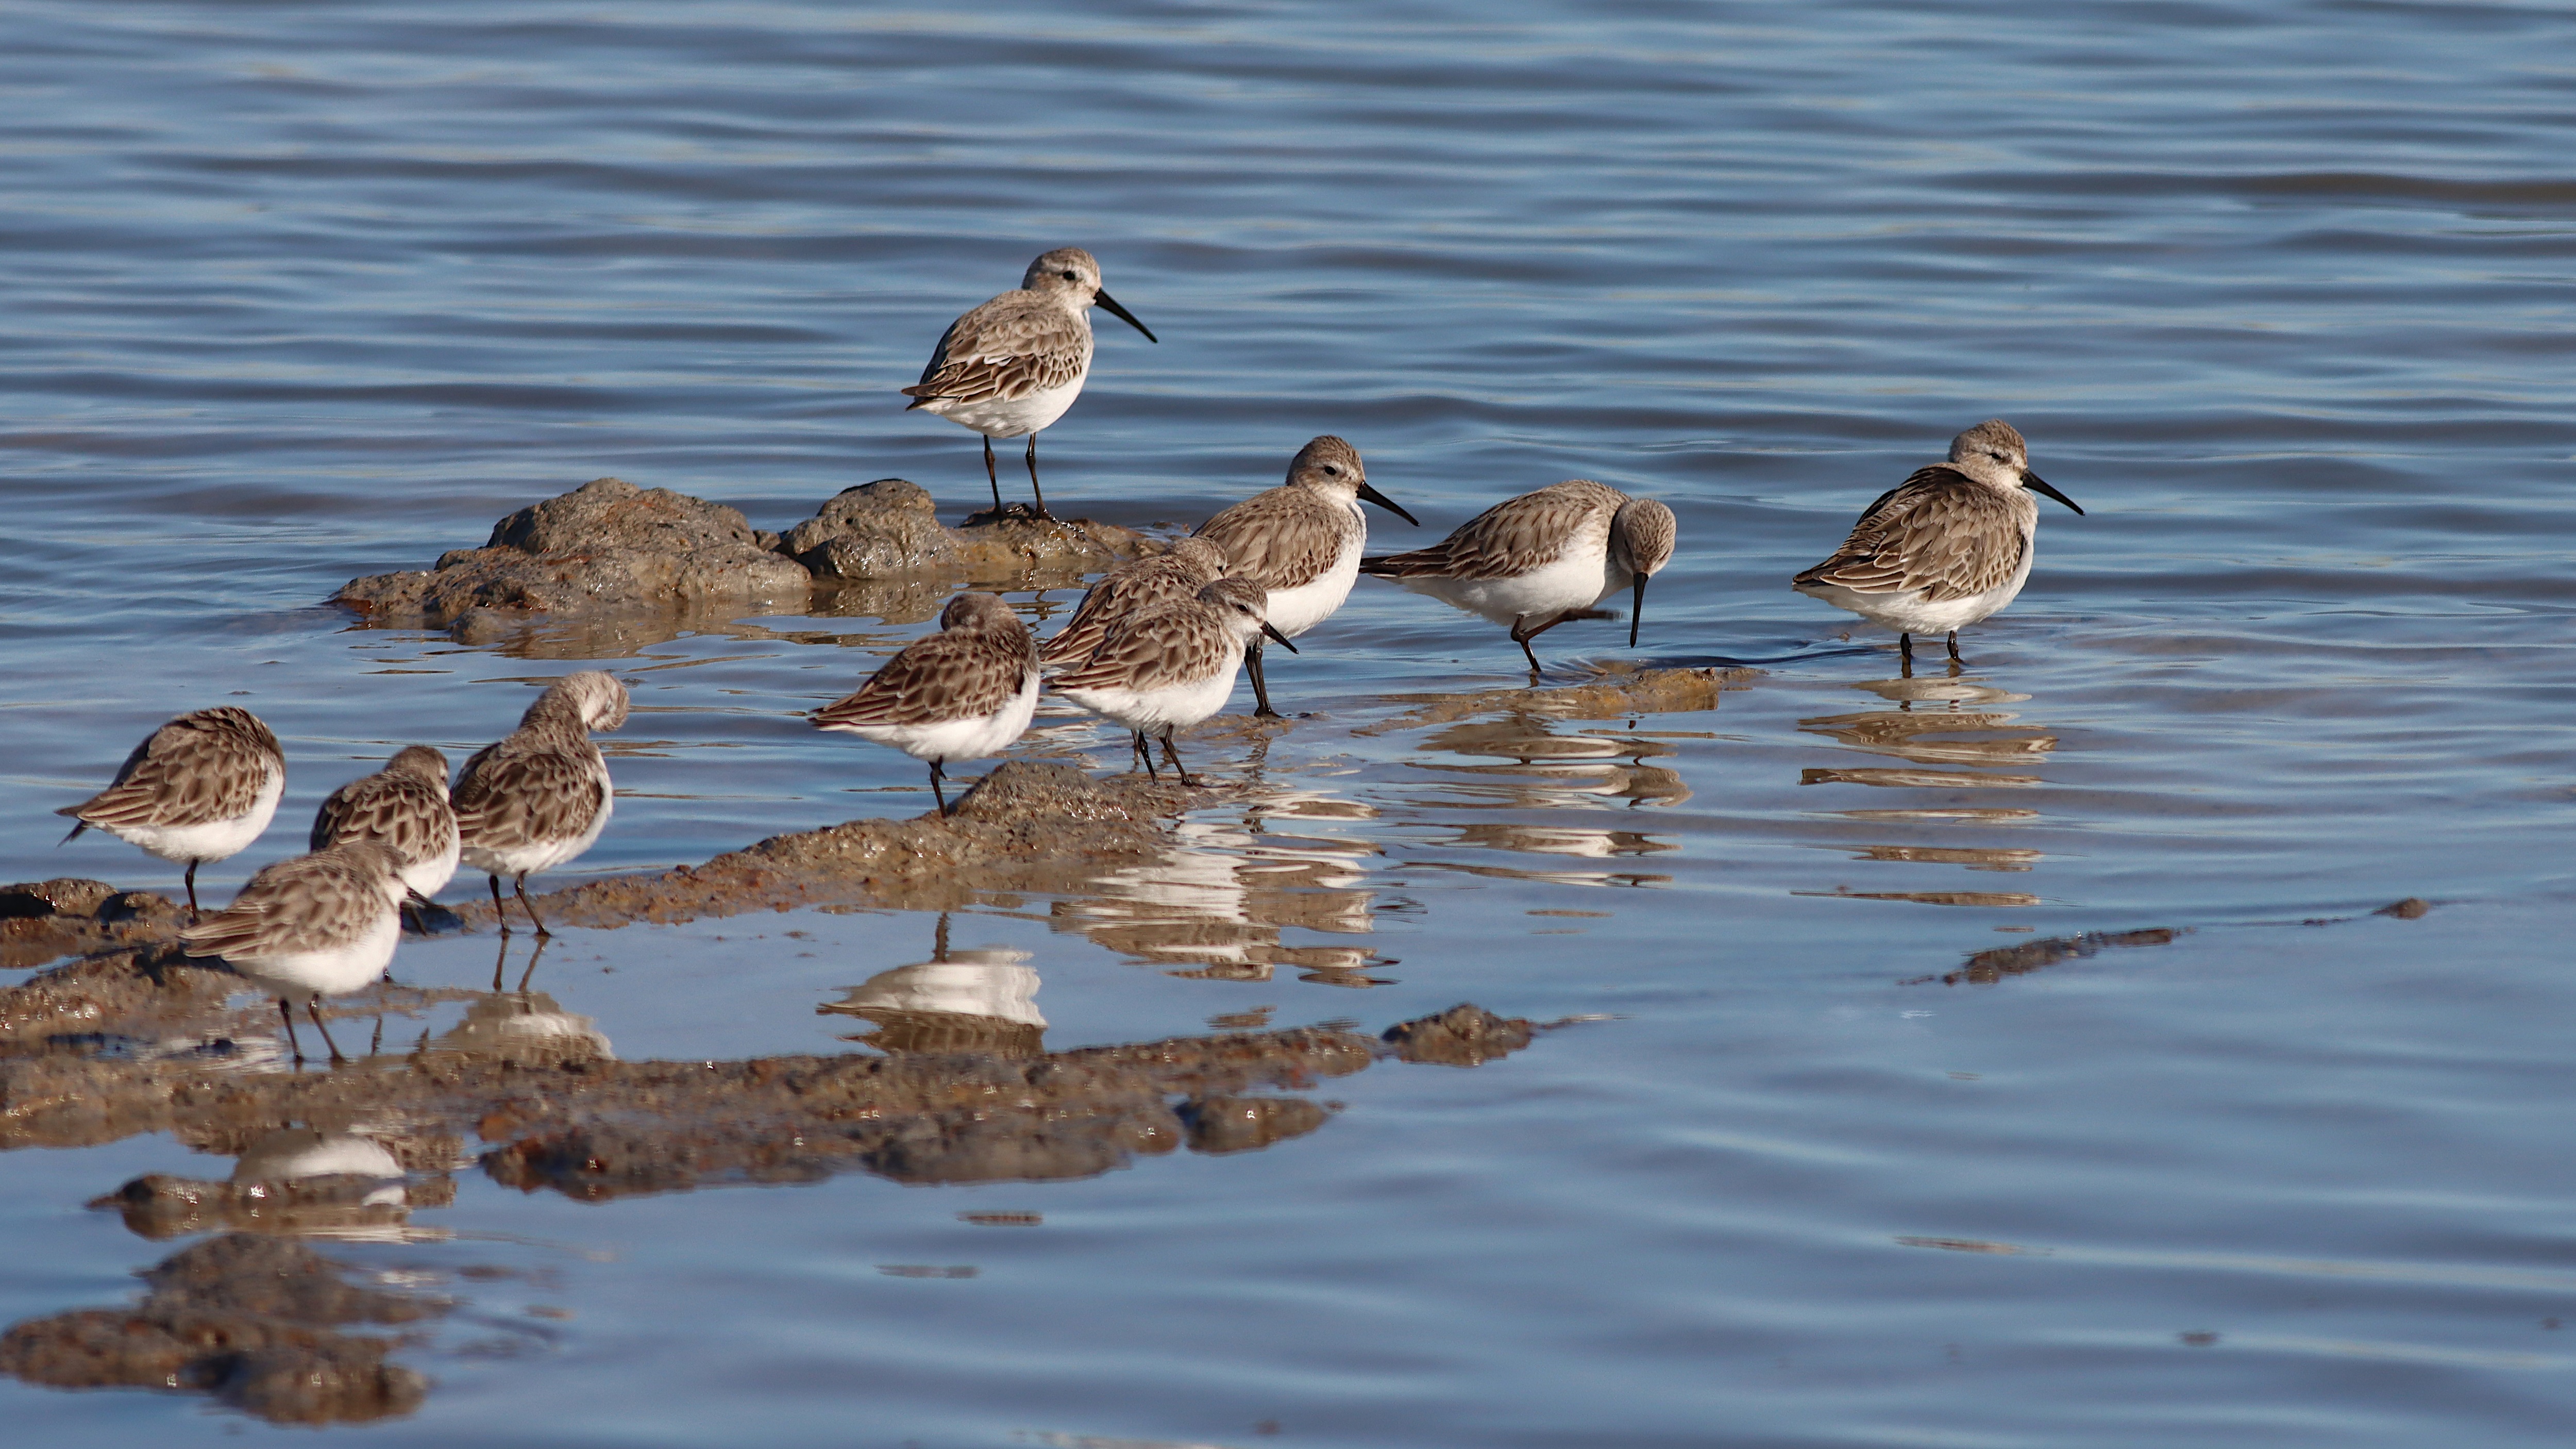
[2280, 294]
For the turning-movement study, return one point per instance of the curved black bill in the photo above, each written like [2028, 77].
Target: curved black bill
[1636, 611]
[1123, 315]
[1389, 504]
[1280, 638]
[2037, 484]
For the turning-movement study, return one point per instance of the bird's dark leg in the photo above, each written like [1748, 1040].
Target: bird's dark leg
[1523, 640]
[1143, 752]
[313, 1009]
[1260, 686]
[1174, 755]
[1905, 647]
[1954, 643]
[992, 477]
[376, 1043]
[1905, 667]
[937, 775]
[192, 892]
[286, 1014]
[1033, 477]
[501, 915]
[521, 886]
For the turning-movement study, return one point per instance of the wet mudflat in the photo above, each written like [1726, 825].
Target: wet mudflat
[2015, 1053]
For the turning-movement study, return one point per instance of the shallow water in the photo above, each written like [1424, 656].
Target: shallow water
[2278, 293]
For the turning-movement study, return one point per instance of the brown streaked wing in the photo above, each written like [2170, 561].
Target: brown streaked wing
[310, 903]
[411, 816]
[1937, 532]
[1511, 538]
[197, 768]
[955, 675]
[514, 794]
[1122, 592]
[1282, 539]
[1171, 645]
[1006, 349]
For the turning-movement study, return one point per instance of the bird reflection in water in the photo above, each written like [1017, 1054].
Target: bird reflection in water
[982, 1000]
[1220, 903]
[1520, 762]
[1951, 736]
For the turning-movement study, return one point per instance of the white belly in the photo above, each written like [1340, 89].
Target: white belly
[215, 840]
[1016, 418]
[302, 975]
[1910, 613]
[539, 855]
[1577, 580]
[971, 738]
[1294, 611]
[1175, 706]
[431, 876]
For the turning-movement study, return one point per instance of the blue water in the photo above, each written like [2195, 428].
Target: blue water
[290, 294]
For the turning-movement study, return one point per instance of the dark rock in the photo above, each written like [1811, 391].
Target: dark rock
[606, 544]
[1985, 968]
[2413, 908]
[1219, 1125]
[890, 529]
[62, 896]
[1462, 1036]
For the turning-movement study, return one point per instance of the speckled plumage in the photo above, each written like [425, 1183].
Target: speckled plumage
[200, 788]
[1170, 666]
[1132, 587]
[963, 693]
[1536, 561]
[405, 807]
[541, 796]
[311, 926]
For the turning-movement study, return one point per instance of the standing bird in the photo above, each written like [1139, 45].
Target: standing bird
[405, 806]
[1013, 365]
[1533, 562]
[960, 694]
[313, 926]
[1139, 584]
[1170, 666]
[540, 797]
[1302, 542]
[200, 788]
[1945, 548]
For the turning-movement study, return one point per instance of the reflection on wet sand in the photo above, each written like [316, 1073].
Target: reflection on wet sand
[981, 1000]
[1547, 770]
[1218, 904]
[1939, 725]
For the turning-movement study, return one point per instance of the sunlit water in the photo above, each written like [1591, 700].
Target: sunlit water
[2279, 294]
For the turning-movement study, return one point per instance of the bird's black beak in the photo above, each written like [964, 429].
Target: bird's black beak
[1281, 639]
[1389, 504]
[1637, 611]
[1123, 315]
[2037, 484]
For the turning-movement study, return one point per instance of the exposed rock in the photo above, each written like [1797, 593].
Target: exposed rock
[1616, 688]
[1462, 1036]
[252, 1320]
[2413, 908]
[1218, 1125]
[606, 544]
[609, 545]
[1985, 968]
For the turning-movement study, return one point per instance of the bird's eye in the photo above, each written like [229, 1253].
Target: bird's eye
[1333, 468]
[1068, 276]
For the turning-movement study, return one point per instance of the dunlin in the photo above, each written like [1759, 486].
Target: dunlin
[1012, 366]
[313, 926]
[1945, 548]
[1169, 667]
[200, 788]
[1130, 588]
[1300, 541]
[540, 797]
[960, 694]
[1534, 562]
[405, 806]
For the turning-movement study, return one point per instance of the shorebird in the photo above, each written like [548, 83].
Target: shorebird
[540, 797]
[405, 806]
[1945, 548]
[1534, 562]
[1170, 666]
[1302, 542]
[1132, 587]
[198, 789]
[312, 926]
[1012, 366]
[960, 694]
